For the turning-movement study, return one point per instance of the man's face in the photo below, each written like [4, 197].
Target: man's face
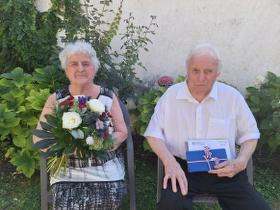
[202, 73]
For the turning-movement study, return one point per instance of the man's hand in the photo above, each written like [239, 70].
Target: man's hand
[174, 172]
[172, 168]
[232, 167]
[229, 168]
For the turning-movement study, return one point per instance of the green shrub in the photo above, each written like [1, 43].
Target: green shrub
[264, 102]
[22, 97]
[28, 37]
[145, 108]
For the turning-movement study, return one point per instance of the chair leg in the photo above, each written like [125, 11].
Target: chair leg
[44, 183]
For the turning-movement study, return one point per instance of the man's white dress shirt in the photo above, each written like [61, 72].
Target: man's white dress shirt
[223, 114]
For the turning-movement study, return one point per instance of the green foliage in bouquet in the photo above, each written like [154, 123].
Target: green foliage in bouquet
[264, 101]
[148, 102]
[80, 126]
[22, 97]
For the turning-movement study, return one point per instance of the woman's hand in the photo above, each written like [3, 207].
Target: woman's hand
[116, 145]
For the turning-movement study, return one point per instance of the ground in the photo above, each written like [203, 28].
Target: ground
[20, 193]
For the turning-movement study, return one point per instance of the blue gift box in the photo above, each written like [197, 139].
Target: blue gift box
[199, 161]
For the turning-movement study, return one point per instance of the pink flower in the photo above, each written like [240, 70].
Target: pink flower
[99, 124]
[165, 81]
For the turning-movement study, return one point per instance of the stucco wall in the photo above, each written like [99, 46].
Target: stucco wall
[246, 32]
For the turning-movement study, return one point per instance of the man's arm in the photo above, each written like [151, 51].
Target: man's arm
[232, 167]
[172, 168]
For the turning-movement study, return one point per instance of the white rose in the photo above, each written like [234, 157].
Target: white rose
[96, 106]
[71, 120]
[89, 140]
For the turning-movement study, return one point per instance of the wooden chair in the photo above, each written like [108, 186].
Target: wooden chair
[205, 198]
[46, 197]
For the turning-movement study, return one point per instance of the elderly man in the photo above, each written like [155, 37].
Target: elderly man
[202, 108]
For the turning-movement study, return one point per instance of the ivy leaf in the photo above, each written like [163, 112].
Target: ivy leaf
[25, 162]
[19, 141]
[16, 74]
[21, 109]
[32, 121]
[37, 99]
[29, 143]
[49, 77]
[18, 77]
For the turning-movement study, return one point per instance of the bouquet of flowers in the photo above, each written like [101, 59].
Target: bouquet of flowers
[79, 125]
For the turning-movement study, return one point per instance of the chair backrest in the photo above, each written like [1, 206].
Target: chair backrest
[44, 181]
[130, 159]
[199, 198]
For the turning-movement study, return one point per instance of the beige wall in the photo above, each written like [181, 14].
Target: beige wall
[247, 33]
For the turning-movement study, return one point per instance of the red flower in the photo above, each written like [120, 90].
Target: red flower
[165, 81]
[70, 97]
[67, 102]
[82, 106]
[103, 115]
[106, 134]
[71, 103]
[109, 114]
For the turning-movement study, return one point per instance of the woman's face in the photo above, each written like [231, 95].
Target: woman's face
[80, 69]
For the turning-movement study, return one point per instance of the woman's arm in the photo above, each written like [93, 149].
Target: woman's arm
[120, 130]
[48, 109]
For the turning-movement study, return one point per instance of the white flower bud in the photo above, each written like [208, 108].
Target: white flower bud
[96, 106]
[90, 140]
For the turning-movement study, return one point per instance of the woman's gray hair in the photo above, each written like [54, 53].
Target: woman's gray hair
[78, 47]
[205, 49]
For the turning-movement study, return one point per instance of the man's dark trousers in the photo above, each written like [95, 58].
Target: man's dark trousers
[233, 193]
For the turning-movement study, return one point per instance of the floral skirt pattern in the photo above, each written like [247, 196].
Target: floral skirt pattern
[88, 195]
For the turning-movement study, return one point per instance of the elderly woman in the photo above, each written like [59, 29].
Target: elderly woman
[88, 184]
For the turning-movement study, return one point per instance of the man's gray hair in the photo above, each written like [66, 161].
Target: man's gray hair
[78, 47]
[205, 49]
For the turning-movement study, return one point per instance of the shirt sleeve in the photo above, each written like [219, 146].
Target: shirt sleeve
[246, 124]
[155, 127]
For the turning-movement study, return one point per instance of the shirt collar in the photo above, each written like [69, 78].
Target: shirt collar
[184, 92]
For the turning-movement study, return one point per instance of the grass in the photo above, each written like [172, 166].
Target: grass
[20, 193]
